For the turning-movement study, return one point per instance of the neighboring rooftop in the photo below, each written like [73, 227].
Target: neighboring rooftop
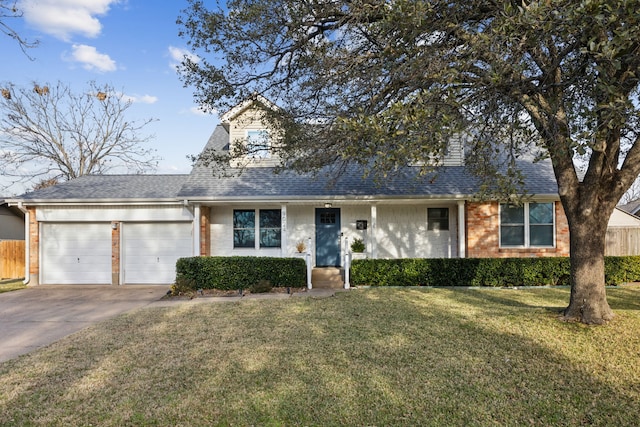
[632, 207]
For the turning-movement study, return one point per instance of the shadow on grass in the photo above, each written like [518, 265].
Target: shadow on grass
[375, 357]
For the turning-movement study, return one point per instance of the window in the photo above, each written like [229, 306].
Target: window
[527, 225]
[437, 219]
[270, 228]
[244, 228]
[258, 144]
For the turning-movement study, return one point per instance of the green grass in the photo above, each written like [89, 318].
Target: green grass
[377, 357]
[12, 285]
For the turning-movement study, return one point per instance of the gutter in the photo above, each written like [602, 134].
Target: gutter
[27, 245]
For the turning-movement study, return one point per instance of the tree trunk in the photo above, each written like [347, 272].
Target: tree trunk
[588, 303]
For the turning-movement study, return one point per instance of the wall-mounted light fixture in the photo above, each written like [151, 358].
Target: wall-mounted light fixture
[114, 225]
[327, 205]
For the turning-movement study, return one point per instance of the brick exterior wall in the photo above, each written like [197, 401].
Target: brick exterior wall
[205, 231]
[115, 253]
[483, 232]
[34, 245]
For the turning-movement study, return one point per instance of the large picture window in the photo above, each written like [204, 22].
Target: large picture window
[269, 230]
[527, 225]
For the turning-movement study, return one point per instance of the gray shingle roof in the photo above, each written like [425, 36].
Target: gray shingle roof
[257, 182]
[262, 182]
[109, 187]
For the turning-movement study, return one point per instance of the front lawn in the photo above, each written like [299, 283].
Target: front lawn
[463, 357]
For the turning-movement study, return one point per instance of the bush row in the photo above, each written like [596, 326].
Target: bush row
[227, 273]
[483, 271]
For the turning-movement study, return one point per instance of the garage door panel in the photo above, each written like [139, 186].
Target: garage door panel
[76, 253]
[150, 251]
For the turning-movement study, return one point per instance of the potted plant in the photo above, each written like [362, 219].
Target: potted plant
[357, 248]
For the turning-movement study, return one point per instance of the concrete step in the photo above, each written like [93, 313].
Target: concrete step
[327, 278]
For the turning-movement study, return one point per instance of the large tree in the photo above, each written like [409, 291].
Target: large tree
[51, 134]
[388, 82]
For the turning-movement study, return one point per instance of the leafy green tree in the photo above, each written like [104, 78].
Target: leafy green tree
[387, 83]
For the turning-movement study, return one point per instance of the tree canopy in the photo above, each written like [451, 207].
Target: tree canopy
[48, 133]
[389, 82]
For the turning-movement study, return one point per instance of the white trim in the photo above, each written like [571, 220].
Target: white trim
[461, 230]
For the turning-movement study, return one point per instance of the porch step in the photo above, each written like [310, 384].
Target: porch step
[327, 278]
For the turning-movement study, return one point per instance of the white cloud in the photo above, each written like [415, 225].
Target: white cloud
[140, 99]
[177, 55]
[91, 59]
[63, 18]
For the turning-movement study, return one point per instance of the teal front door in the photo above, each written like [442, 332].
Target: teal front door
[327, 237]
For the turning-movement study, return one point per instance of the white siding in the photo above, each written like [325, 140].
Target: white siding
[113, 213]
[402, 233]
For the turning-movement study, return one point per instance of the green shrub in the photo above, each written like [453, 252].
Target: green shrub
[483, 271]
[357, 246]
[228, 273]
[263, 286]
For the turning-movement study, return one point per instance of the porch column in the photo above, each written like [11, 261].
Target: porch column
[196, 230]
[462, 252]
[284, 240]
[374, 232]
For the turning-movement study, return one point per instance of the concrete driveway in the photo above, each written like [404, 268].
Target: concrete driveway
[35, 317]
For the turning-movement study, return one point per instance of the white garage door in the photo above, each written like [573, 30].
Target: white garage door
[75, 253]
[150, 251]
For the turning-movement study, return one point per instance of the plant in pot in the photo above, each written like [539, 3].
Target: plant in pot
[357, 246]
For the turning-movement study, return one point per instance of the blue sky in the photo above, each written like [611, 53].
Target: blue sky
[132, 45]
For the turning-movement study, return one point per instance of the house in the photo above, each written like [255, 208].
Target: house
[130, 229]
[11, 222]
[632, 207]
[623, 234]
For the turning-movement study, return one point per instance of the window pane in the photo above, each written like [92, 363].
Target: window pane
[244, 238]
[244, 219]
[244, 228]
[438, 219]
[541, 235]
[541, 213]
[511, 214]
[512, 235]
[270, 228]
[270, 238]
[258, 144]
[270, 218]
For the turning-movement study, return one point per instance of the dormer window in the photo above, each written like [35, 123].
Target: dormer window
[258, 144]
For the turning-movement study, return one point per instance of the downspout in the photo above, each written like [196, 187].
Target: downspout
[27, 275]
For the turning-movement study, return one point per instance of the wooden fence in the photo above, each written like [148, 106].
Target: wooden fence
[623, 241]
[11, 259]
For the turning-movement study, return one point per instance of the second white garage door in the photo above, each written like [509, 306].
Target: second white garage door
[150, 251]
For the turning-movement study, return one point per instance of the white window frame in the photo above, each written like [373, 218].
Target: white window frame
[527, 227]
[263, 153]
[256, 230]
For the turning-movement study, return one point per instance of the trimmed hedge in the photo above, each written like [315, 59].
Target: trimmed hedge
[227, 273]
[483, 271]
